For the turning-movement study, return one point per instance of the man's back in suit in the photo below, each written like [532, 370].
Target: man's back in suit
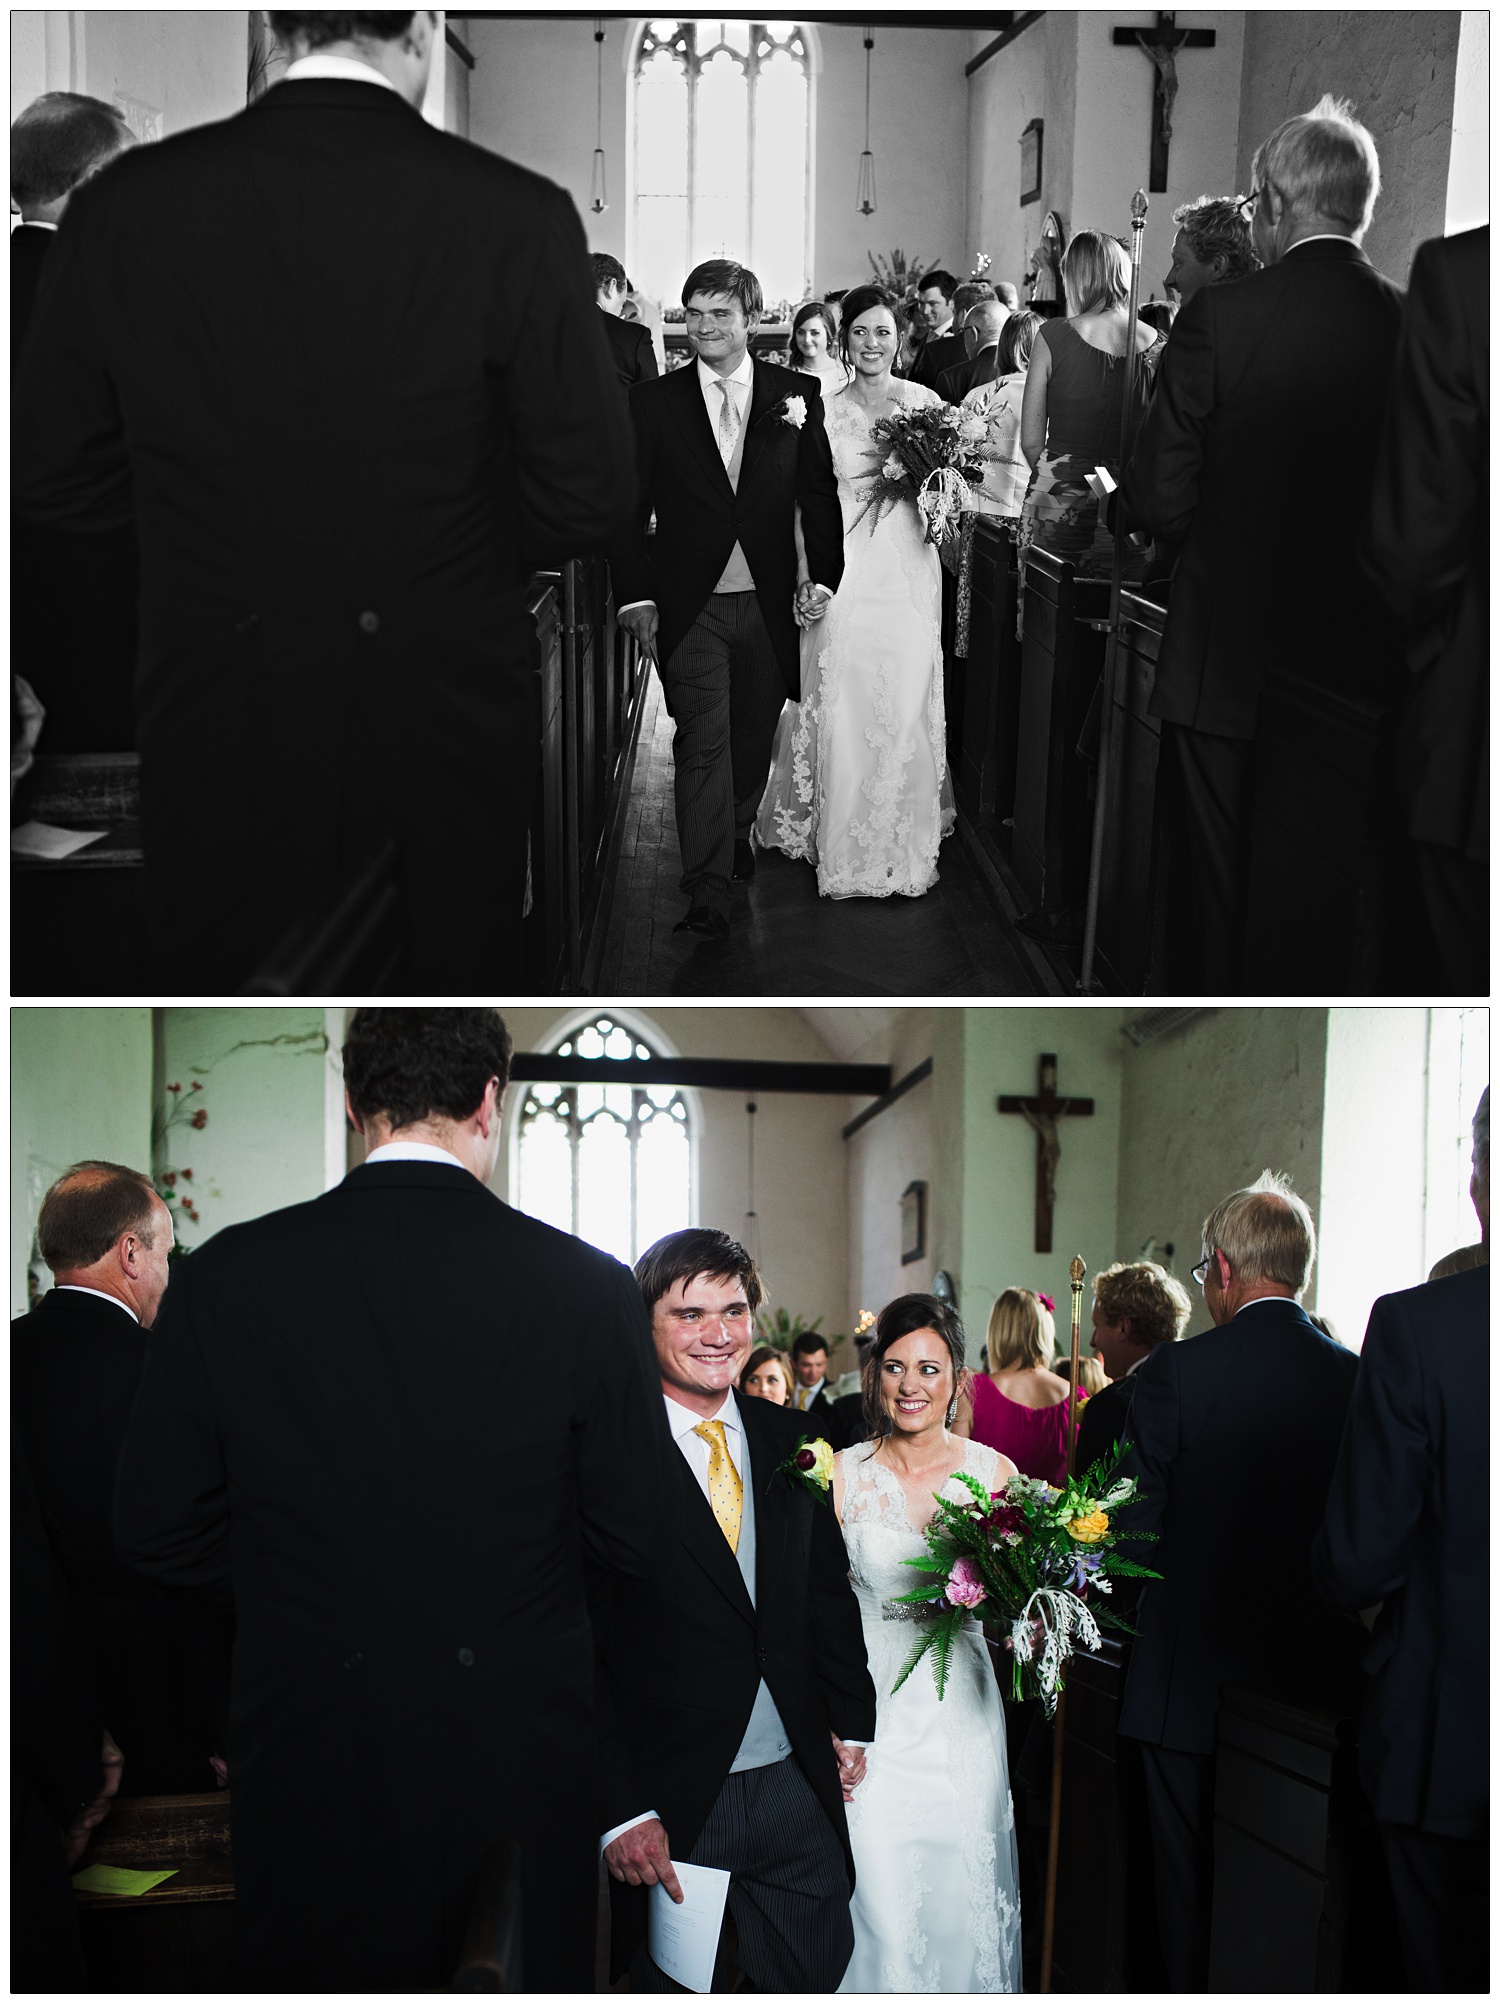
[1266, 385]
[954, 384]
[29, 245]
[630, 347]
[346, 372]
[942, 351]
[428, 1410]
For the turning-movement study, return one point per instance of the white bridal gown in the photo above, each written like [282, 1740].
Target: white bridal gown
[936, 1899]
[859, 779]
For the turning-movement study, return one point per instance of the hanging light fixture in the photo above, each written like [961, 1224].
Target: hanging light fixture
[864, 200]
[750, 1231]
[598, 199]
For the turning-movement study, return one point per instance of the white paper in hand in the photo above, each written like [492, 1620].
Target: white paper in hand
[684, 1940]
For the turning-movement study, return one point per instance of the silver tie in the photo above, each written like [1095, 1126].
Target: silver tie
[729, 424]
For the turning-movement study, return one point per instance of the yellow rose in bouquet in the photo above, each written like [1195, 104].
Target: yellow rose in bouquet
[1089, 1528]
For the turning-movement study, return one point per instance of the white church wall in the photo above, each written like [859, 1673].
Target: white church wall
[1468, 199]
[1001, 1048]
[1398, 67]
[799, 1149]
[884, 1158]
[80, 1088]
[1203, 1111]
[1004, 96]
[168, 70]
[266, 1078]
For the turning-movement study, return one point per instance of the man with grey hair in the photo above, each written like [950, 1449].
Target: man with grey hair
[1233, 1436]
[1292, 360]
[982, 328]
[58, 142]
[1402, 1536]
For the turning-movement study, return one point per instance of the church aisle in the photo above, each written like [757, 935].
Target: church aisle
[786, 940]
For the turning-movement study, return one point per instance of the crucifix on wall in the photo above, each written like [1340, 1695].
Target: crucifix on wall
[1161, 45]
[1042, 1115]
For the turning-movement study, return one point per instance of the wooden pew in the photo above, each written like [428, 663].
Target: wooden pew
[1061, 658]
[55, 906]
[1132, 885]
[985, 772]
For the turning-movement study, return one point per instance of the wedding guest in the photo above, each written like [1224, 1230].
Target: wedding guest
[933, 316]
[346, 522]
[1074, 403]
[1090, 1379]
[1022, 1408]
[1426, 551]
[815, 346]
[1137, 1305]
[1007, 294]
[1400, 1537]
[1254, 1408]
[1006, 472]
[982, 326]
[629, 341]
[834, 301]
[767, 1376]
[810, 1370]
[1158, 313]
[57, 143]
[1302, 349]
[320, 1437]
[76, 1366]
[1212, 245]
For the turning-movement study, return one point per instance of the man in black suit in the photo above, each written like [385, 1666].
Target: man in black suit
[629, 342]
[57, 143]
[348, 373]
[737, 1694]
[727, 450]
[1426, 548]
[76, 1364]
[939, 304]
[810, 1373]
[1234, 1437]
[1401, 1537]
[394, 1424]
[983, 324]
[1136, 1308]
[1287, 368]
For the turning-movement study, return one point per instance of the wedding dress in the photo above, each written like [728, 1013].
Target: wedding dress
[859, 777]
[936, 1902]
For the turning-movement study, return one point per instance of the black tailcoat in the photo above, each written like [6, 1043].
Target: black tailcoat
[630, 349]
[394, 1422]
[1408, 1527]
[348, 374]
[1257, 455]
[682, 1656]
[1235, 1434]
[700, 516]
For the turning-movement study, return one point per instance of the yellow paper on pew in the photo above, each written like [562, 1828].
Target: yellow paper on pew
[115, 1880]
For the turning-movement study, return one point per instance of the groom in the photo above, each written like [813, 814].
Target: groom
[728, 448]
[734, 1701]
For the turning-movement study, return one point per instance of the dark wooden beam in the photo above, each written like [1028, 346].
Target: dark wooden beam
[998, 18]
[754, 1075]
[902, 1086]
[465, 55]
[1019, 24]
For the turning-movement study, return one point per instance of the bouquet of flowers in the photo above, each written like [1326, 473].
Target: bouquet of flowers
[1033, 1562]
[933, 455]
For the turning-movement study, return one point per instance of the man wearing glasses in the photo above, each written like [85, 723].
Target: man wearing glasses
[1234, 1435]
[1258, 457]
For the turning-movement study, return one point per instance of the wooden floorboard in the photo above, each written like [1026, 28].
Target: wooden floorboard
[786, 940]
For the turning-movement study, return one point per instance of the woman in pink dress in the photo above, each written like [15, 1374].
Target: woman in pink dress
[1021, 1408]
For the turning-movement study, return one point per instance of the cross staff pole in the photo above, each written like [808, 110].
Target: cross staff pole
[1138, 208]
[1049, 1913]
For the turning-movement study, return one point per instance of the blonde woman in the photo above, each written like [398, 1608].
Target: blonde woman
[1022, 1408]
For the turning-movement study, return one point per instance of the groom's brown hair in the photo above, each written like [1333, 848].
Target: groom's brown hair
[723, 275]
[682, 1256]
[409, 1064]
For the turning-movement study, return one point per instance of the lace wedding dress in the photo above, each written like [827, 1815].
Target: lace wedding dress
[859, 776]
[936, 1899]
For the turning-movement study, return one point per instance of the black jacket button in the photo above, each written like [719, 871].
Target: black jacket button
[353, 1662]
[466, 1657]
[369, 622]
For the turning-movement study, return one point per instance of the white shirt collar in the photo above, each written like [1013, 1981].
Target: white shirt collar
[709, 378]
[72, 1287]
[681, 1420]
[1321, 237]
[416, 1151]
[36, 223]
[1136, 1365]
[345, 68]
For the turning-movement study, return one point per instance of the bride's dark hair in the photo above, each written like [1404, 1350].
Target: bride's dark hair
[860, 300]
[903, 1317]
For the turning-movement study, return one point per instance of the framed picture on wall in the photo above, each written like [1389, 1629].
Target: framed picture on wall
[1031, 163]
[913, 1223]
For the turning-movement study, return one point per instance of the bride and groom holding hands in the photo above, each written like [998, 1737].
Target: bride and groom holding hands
[797, 633]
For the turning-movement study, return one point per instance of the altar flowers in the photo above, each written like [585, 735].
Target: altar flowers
[1034, 1564]
[934, 454]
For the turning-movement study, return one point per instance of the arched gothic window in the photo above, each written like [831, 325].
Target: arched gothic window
[610, 1163]
[721, 153]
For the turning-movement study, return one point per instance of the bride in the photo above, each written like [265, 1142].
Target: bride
[936, 1904]
[859, 781]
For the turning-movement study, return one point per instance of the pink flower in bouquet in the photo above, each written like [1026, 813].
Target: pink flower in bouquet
[965, 1588]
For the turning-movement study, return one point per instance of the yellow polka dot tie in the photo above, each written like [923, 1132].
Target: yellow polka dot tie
[726, 1493]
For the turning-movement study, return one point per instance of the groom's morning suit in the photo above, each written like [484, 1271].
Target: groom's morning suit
[347, 373]
[722, 572]
[721, 1679]
[1408, 1531]
[1234, 1435]
[394, 1424]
